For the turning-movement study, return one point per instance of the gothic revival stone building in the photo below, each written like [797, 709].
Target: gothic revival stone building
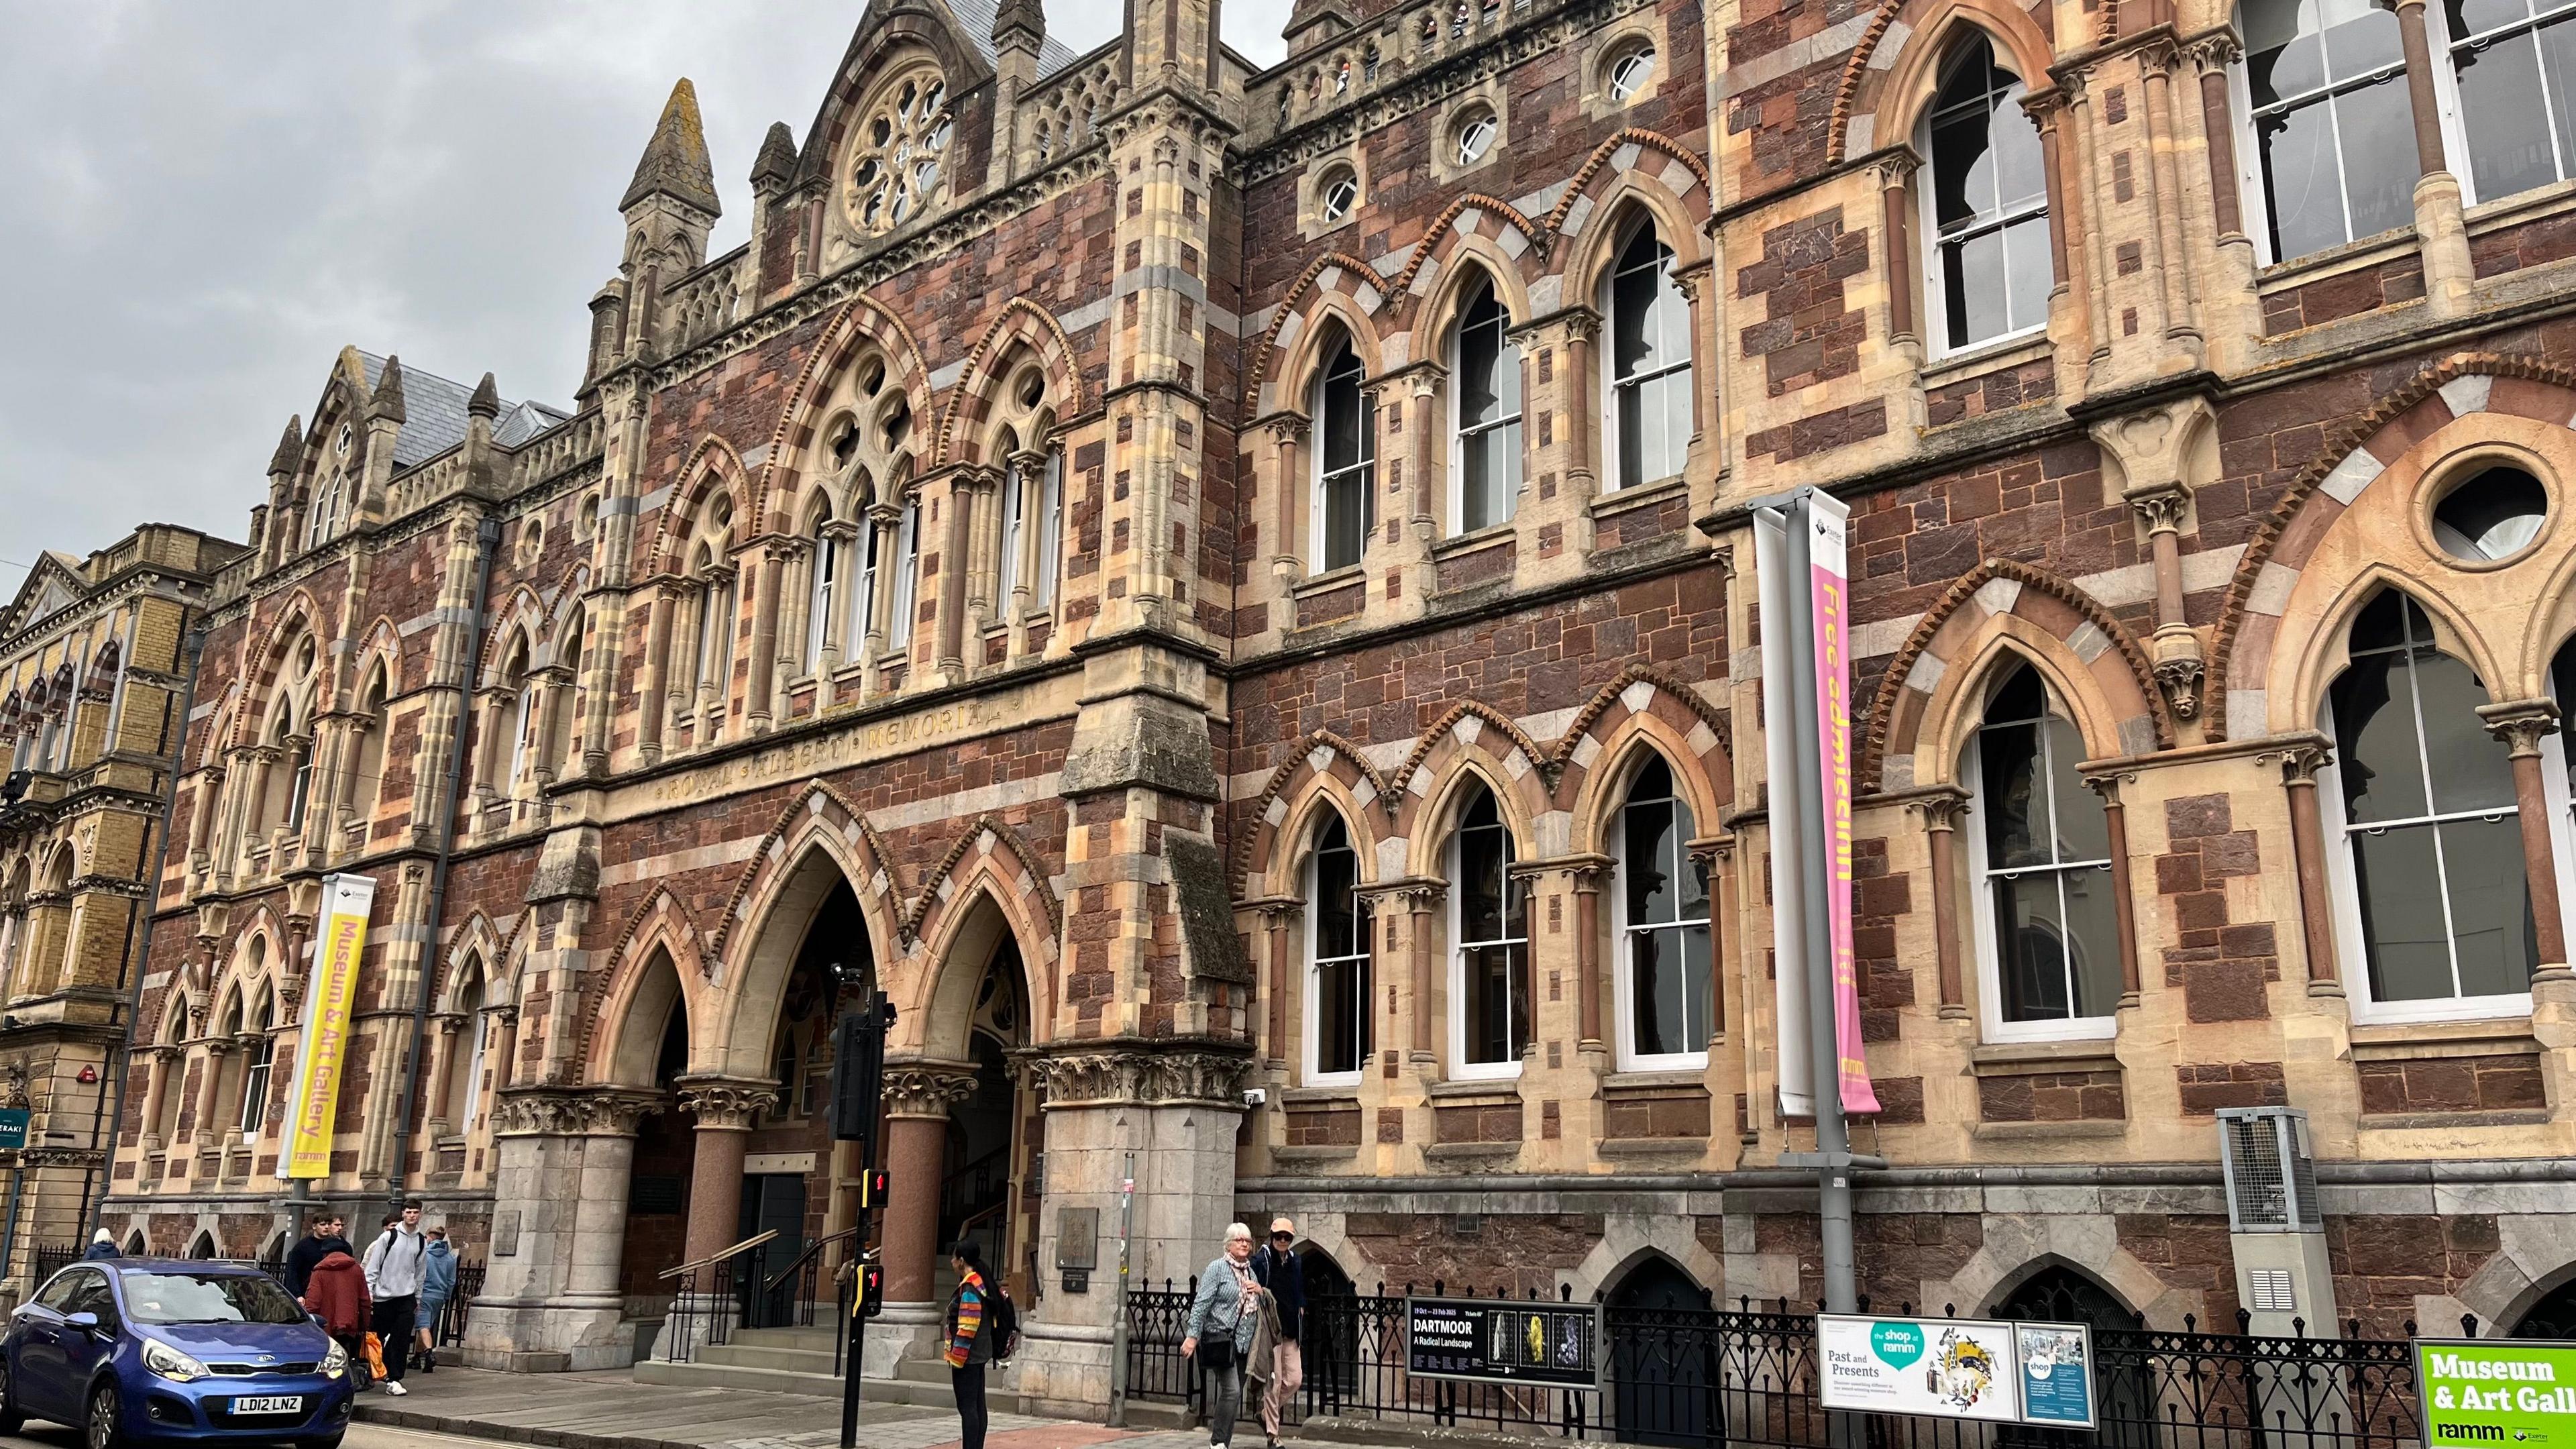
[1195, 577]
[94, 659]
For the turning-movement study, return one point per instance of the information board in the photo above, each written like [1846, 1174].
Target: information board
[1497, 1341]
[1958, 1368]
[2497, 1391]
[13, 1126]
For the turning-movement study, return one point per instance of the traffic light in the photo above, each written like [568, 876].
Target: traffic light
[858, 1070]
[872, 1188]
[871, 1302]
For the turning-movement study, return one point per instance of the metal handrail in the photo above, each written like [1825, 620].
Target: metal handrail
[738, 1249]
[801, 1259]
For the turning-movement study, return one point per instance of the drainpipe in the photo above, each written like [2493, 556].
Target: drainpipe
[138, 941]
[487, 537]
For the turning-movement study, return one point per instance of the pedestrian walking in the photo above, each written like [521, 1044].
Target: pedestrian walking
[335, 1291]
[970, 1348]
[102, 1244]
[396, 1262]
[1222, 1326]
[323, 1238]
[1284, 1280]
[437, 1286]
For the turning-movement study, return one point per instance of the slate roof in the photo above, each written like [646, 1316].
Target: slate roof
[434, 414]
[976, 17]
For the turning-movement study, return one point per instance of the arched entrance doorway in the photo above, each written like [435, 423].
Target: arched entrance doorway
[1663, 1358]
[976, 1200]
[2127, 1410]
[2553, 1315]
[1328, 1333]
[652, 1052]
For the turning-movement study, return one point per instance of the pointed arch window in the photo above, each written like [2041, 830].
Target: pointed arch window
[1032, 507]
[824, 573]
[1649, 358]
[2427, 839]
[2332, 154]
[1345, 464]
[368, 788]
[521, 710]
[1339, 929]
[1987, 202]
[1489, 958]
[261, 1056]
[870, 547]
[1666, 996]
[907, 575]
[1486, 398]
[2047, 921]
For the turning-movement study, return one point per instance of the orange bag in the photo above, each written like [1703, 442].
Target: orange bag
[375, 1358]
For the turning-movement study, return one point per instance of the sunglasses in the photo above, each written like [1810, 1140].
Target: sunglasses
[1285, 1237]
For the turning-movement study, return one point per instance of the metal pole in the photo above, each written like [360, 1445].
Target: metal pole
[874, 1083]
[1118, 1347]
[1833, 1138]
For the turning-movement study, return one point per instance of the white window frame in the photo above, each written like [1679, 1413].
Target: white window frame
[907, 576]
[259, 1060]
[474, 1072]
[823, 587]
[2254, 203]
[2454, 113]
[522, 713]
[1624, 931]
[1989, 936]
[1461, 1069]
[1049, 542]
[1312, 1047]
[1927, 226]
[1506, 355]
[863, 599]
[1608, 362]
[1014, 533]
[1320, 522]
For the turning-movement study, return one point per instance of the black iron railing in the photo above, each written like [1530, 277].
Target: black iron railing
[708, 1303]
[52, 1260]
[1698, 1378]
[449, 1326]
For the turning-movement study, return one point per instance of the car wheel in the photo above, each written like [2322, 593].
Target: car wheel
[101, 1431]
[11, 1421]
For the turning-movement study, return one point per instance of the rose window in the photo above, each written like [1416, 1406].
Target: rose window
[895, 170]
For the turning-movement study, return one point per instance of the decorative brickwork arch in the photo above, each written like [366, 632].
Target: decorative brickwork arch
[983, 900]
[1595, 790]
[1473, 740]
[521, 621]
[659, 933]
[300, 619]
[2084, 652]
[479, 939]
[1342, 286]
[2268, 576]
[1611, 188]
[1690, 730]
[988, 845]
[1440, 293]
[713, 467]
[1023, 323]
[380, 645]
[888, 39]
[1893, 92]
[1472, 219]
[862, 326]
[1321, 754]
[1282, 873]
[820, 817]
[2020, 1246]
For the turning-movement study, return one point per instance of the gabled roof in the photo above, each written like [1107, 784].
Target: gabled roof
[56, 580]
[434, 414]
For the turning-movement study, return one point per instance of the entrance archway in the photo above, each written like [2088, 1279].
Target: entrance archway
[652, 1051]
[2058, 1293]
[1663, 1358]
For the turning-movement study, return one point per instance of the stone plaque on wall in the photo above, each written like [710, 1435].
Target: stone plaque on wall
[505, 1234]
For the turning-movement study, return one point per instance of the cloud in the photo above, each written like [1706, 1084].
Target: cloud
[201, 204]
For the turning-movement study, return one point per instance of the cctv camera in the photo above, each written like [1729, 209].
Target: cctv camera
[1254, 1096]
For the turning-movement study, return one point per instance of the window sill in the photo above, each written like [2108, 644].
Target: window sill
[1644, 495]
[2042, 1058]
[1322, 1094]
[2408, 1121]
[1495, 1089]
[2493, 1012]
[2080, 1129]
[1497, 535]
[2424, 1041]
[1312, 1152]
[1470, 1151]
[2539, 203]
[1326, 583]
[1990, 357]
[1657, 1081]
[2352, 256]
[1651, 1146]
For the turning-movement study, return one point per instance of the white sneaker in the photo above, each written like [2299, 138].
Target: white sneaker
[395, 1388]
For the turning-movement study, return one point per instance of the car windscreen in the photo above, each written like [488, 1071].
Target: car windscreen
[208, 1298]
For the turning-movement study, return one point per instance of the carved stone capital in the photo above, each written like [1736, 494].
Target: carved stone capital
[2180, 678]
[2521, 723]
[2300, 762]
[2161, 507]
[924, 1089]
[1128, 1071]
[1896, 168]
[2215, 51]
[726, 1104]
[1287, 428]
[1944, 811]
[556, 1112]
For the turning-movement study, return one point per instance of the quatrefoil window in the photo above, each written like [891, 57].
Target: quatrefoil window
[896, 167]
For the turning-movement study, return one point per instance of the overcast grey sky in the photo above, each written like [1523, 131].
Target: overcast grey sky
[201, 203]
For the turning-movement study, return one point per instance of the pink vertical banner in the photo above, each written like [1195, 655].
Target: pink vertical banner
[1828, 581]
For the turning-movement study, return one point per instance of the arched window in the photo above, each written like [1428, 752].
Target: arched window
[1485, 363]
[1666, 1000]
[1988, 203]
[1345, 462]
[261, 1053]
[824, 570]
[2046, 919]
[1338, 932]
[2432, 880]
[1649, 358]
[465, 1080]
[519, 711]
[863, 592]
[907, 575]
[368, 788]
[1489, 958]
[1032, 509]
[2332, 154]
[203, 1249]
[563, 712]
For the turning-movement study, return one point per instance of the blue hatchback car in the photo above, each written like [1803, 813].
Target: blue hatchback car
[138, 1350]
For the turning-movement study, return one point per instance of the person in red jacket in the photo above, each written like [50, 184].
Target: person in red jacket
[337, 1294]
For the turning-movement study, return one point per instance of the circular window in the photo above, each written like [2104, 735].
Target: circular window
[1032, 388]
[895, 168]
[1475, 138]
[586, 522]
[2491, 514]
[532, 540]
[1341, 193]
[1630, 72]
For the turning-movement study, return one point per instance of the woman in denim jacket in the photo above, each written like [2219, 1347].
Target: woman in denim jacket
[1226, 1303]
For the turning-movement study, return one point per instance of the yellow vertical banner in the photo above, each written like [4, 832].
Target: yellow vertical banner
[337, 945]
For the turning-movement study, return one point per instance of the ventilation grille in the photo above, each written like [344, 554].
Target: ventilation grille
[2271, 1178]
[2271, 1291]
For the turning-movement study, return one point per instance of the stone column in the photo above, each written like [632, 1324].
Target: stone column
[1589, 877]
[917, 1098]
[957, 541]
[1710, 855]
[2115, 824]
[210, 1092]
[550, 1301]
[723, 1107]
[2299, 766]
[442, 1075]
[1582, 329]
[156, 1089]
[1896, 213]
[2161, 506]
[652, 704]
[764, 634]
[1941, 814]
[1421, 900]
[1287, 544]
[2211, 56]
[2522, 724]
[2441, 230]
[1280, 919]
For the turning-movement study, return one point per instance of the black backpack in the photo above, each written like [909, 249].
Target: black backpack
[1001, 1320]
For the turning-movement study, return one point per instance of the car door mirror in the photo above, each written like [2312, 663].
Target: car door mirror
[84, 1320]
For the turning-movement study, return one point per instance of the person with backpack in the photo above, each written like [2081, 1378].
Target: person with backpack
[396, 1264]
[980, 1325]
[437, 1286]
[1225, 1303]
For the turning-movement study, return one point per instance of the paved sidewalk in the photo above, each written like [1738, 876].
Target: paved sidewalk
[610, 1410]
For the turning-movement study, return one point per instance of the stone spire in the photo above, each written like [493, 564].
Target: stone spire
[486, 401]
[776, 165]
[388, 400]
[675, 162]
[290, 448]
